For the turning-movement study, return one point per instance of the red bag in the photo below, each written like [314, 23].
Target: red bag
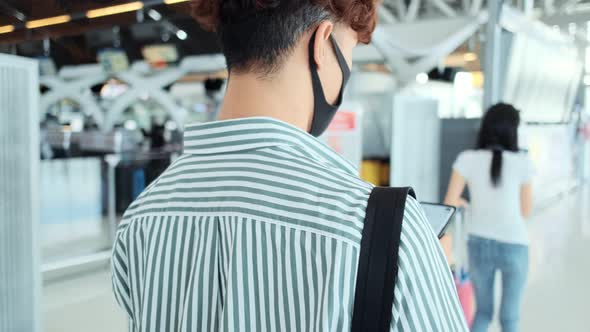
[466, 296]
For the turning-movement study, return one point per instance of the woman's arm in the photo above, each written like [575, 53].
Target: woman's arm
[453, 197]
[526, 199]
[455, 190]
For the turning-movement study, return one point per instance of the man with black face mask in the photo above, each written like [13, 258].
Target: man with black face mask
[257, 227]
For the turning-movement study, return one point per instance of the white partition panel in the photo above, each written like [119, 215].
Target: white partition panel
[71, 220]
[19, 167]
[415, 145]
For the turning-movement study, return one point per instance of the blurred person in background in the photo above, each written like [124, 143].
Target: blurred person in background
[257, 226]
[498, 176]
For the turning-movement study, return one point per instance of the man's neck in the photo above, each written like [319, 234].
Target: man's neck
[281, 99]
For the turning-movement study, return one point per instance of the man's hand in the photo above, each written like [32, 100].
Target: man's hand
[463, 203]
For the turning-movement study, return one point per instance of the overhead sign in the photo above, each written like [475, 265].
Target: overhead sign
[160, 54]
[113, 60]
[344, 134]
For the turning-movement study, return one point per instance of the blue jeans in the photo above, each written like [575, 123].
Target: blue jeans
[487, 256]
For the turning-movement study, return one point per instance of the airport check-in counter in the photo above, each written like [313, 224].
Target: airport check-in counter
[83, 197]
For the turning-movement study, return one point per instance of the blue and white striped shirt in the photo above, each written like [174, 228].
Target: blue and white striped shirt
[257, 227]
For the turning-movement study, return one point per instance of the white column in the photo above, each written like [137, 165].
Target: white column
[492, 88]
[20, 279]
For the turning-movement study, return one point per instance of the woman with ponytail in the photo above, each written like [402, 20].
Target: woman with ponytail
[498, 176]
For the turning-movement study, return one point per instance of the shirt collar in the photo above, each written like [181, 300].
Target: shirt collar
[257, 133]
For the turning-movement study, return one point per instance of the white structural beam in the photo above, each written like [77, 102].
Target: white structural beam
[385, 15]
[142, 85]
[580, 18]
[513, 21]
[569, 6]
[466, 4]
[411, 48]
[476, 6]
[61, 89]
[528, 7]
[203, 64]
[492, 55]
[72, 81]
[539, 93]
[76, 72]
[444, 7]
[401, 9]
[413, 9]
[549, 6]
[410, 10]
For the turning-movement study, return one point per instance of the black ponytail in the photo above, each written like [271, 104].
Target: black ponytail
[498, 133]
[496, 169]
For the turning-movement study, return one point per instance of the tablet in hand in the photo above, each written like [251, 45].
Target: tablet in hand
[439, 216]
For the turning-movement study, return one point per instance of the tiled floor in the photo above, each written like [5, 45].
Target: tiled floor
[558, 292]
[83, 304]
[556, 298]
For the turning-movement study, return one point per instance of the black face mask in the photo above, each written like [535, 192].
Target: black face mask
[323, 112]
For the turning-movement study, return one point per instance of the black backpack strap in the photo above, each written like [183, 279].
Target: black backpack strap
[378, 259]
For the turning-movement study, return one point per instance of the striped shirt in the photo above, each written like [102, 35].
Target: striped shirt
[257, 227]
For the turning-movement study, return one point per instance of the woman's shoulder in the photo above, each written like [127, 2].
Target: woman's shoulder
[469, 160]
[521, 155]
[522, 161]
[473, 154]
[478, 153]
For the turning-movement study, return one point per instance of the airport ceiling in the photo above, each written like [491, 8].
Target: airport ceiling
[78, 39]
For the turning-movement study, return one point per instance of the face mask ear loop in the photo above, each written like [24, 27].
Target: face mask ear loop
[343, 67]
[320, 122]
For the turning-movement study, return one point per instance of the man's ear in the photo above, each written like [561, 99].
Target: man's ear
[322, 43]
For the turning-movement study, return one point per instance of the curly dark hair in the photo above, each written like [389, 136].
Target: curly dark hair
[256, 35]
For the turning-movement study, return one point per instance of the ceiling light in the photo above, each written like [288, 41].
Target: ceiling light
[469, 56]
[170, 2]
[6, 28]
[154, 14]
[19, 16]
[113, 10]
[422, 78]
[181, 34]
[48, 21]
[165, 36]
